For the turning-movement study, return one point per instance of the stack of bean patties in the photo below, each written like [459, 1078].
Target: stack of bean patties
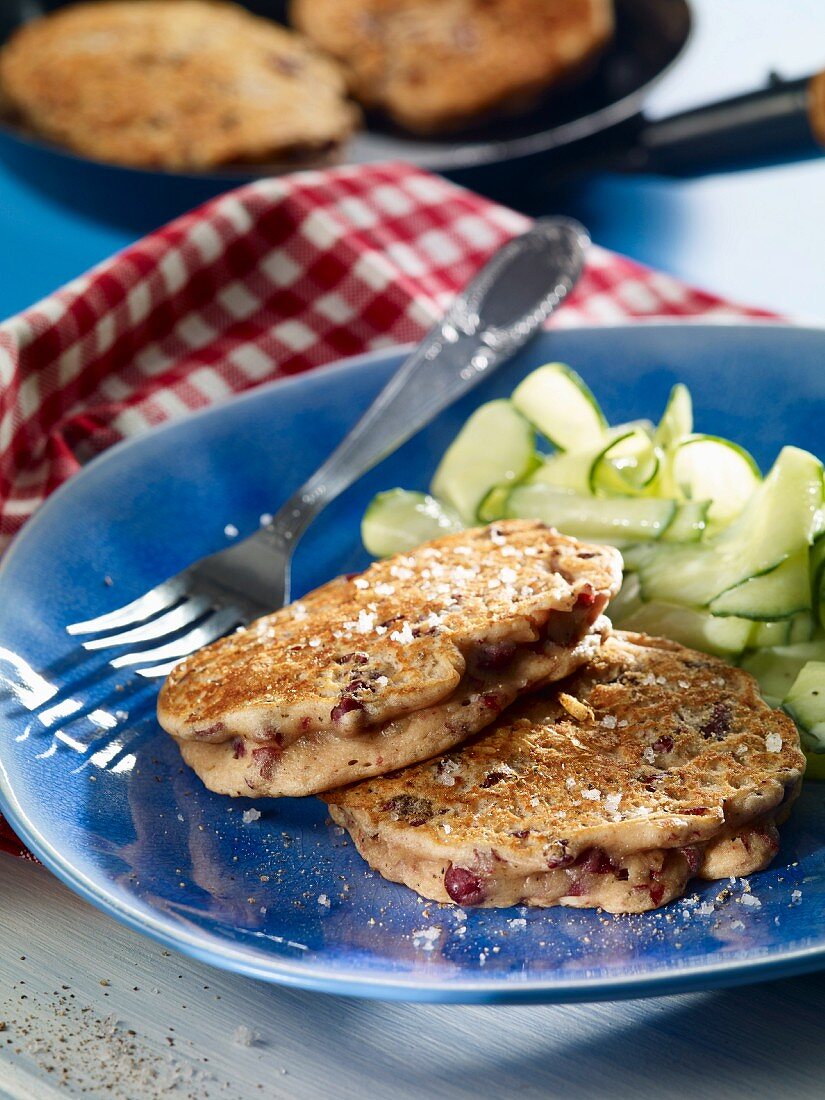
[543, 759]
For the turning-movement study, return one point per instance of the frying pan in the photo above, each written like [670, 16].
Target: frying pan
[650, 35]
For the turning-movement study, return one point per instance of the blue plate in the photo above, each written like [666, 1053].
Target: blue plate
[100, 795]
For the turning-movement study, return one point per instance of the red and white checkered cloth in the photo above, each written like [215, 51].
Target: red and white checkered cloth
[268, 281]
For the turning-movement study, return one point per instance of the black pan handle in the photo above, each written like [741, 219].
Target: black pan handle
[785, 118]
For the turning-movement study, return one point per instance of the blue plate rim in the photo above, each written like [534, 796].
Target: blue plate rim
[317, 977]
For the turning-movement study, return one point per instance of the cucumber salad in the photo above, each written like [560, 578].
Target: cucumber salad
[717, 556]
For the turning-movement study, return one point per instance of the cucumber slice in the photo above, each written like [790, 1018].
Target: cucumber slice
[778, 520]
[628, 466]
[636, 553]
[805, 703]
[705, 467]
[693, 628]
[766, 635]
[689, 523]
[676, 423]
[802, 628]
[626, 601]
[797, 630]
[677, 419]
[399, 520]
[776, 669]
[572, 469]
[495, 446]
[778, 594]
[564, 471]
[817, 566]
[592, 517]
[494, 504]
[557, 402]
[775, 675]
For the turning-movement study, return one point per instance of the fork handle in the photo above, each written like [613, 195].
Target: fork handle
[495, 315]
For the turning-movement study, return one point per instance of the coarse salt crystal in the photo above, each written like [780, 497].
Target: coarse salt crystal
[314, 642]
[609, 721]
[446, 772]
[380, 630]
[425, 938]
[384, 589]
[611, 802]
[324, 900]
[248, 816]
[361, 582]
[570, 782]
[517, 922]
[231, 531]
[751, 902]
[796, 895]
[447, 827]
[381, 681]
[535, 802]
[245, 1036]
[705, 909]
[649, 679]
[773, 742]
[366, 621]
[649, 755]
[507, 575]
[404, 636]
[593, 794]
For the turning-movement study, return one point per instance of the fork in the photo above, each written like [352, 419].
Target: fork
[495, 315]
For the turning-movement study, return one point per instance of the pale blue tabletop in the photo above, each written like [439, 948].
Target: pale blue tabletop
[756, 236]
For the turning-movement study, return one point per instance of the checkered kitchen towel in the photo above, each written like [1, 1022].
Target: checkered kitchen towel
[267, 281]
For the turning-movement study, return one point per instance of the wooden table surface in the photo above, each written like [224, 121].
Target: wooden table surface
[89, 1008]
[93, 1005]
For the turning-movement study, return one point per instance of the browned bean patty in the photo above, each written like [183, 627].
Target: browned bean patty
[650, 765]
[409, 658]
[174, 84]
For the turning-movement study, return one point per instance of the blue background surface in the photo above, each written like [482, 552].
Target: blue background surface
[101, 795]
